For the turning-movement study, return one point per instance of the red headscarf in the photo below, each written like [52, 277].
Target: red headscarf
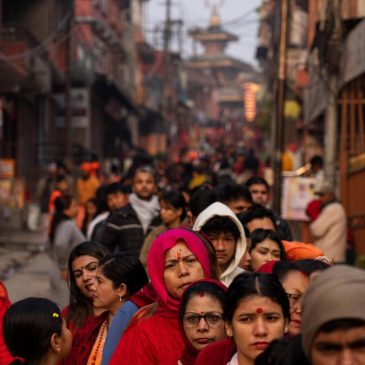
[156, 262]
[267, 267]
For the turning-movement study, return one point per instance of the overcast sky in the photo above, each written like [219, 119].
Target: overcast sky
[237, 16]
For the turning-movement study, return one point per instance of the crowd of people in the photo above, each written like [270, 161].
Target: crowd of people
[185, 266]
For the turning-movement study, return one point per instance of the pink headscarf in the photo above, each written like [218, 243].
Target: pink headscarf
[156, 262]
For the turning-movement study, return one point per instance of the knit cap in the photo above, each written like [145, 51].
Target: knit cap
[336, 293]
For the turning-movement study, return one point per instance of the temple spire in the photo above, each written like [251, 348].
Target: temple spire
[214, 20]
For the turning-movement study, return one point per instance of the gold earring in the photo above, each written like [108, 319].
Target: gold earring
[286, 329]
[120, 298]
[229, 333]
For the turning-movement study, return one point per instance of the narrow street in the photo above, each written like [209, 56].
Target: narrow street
[25, 266]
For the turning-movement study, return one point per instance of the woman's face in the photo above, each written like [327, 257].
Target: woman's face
[265, 251]
[295, 285]
[202, 331]
[84, 272]
[105, 295]
[170, 215]
[256, 322]
[181, 269]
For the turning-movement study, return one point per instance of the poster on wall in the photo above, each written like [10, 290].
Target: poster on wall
[297, 193]
[12, 192]
[79, 108]
[7, 168]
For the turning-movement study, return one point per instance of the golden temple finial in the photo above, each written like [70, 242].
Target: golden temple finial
[214, 20]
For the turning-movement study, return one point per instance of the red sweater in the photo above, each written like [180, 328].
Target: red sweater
[5, 357]
[218, 353]
[155, 340]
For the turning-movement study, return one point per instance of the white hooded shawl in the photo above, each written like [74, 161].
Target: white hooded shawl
[221, 210]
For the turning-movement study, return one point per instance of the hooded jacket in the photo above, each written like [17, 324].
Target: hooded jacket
[221, 210]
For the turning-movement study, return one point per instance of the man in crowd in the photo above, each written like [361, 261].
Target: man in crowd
[333, 322]
[116, 198]
[330, 228]
[86, 184]
[126, 228]
[260, 217]
[260, 191]
[225, 231]
[235, 196]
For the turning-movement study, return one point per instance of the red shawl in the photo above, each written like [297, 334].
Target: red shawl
[84, 338]
[158, 339]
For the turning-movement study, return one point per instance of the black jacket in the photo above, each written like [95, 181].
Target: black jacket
[124, 232]
[282, 228]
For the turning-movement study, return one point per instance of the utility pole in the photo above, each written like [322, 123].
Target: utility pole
[180, 37]
[332, 70]
[155, 39]
[167, 39]
[279, 106]
[68, 83]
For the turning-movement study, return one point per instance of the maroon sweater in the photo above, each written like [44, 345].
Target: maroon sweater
[218, 353]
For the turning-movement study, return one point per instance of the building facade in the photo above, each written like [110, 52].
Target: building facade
[317, 58]
[70, 74]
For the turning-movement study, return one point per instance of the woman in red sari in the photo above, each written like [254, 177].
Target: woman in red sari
[177, 258]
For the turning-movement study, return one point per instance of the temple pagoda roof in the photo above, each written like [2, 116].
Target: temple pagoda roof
[218, 61]
[201, 35]
[214, 32]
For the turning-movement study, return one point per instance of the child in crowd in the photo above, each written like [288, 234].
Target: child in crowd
[35, 332]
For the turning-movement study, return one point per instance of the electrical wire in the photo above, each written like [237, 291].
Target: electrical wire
[42, 47]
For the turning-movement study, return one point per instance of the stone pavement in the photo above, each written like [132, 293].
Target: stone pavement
[25, 266]
[16, 246]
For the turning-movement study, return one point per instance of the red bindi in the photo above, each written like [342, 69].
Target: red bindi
[259, 310]
[178, 254]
